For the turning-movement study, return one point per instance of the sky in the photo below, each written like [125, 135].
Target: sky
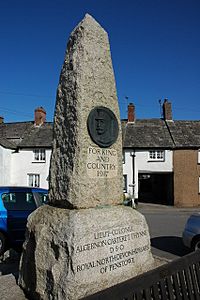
[155, 48]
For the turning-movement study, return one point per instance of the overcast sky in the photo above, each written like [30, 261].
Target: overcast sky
[155, 46]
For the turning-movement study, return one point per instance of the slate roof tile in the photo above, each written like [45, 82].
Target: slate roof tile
[185, 133]
[41, 136]
[7, 144]
[147, 133]
[143, 133]
[26, 134]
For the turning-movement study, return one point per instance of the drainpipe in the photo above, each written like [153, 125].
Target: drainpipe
[133, 181]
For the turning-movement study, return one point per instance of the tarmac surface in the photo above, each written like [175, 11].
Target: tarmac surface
[144, 207]
[9, 268]
[9, 263]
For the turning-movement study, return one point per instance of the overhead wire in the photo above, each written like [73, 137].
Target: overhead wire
[24, 94]
[16, 112]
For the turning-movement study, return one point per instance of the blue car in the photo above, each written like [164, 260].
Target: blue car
[16, 203]
[191, 233]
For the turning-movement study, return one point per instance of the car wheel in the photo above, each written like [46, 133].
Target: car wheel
[2, 244]
[196, 244]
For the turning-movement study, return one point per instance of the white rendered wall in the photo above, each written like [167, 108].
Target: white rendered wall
[144, 165]
[23, 164]
[5, 165]
[15, 167]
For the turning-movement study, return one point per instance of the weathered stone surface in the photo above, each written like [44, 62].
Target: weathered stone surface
[82, 174]
[9, 290]
[84, 241]
[69, 254]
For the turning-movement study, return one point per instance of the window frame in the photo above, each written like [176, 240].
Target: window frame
[198, 156]
[199, 186]
[41, 153]
[157, 153]
[123, 157]
[125, 188]
[34, 180]
[19, 201]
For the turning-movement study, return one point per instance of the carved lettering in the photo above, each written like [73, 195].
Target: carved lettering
[110, 241]
[101, 163]
[115, 241]
[114, 261]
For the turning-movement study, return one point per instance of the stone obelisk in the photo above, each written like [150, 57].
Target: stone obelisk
[85, 240]
[82, 174]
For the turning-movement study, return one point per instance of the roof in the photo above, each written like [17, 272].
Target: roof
[146, 133]
[40, 136]
[26, 134]
[14, 131]
[143, 133]
[7, 144]
[185, 134]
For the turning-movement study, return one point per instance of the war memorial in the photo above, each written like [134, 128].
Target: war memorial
[85, 240]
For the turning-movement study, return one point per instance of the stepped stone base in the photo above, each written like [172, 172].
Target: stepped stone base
[69, 254]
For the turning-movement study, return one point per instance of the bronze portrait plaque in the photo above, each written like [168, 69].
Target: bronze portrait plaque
[102, 126]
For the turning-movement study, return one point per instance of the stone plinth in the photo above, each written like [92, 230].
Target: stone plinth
[73, 253]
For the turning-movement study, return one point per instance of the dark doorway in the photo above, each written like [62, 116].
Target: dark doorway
[156, 188]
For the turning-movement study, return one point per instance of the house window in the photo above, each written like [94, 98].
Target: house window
[125, 183]
[39, 155]
[199, 185]
[123, 157]
[198, 157]
[34, 180]
[156, 155]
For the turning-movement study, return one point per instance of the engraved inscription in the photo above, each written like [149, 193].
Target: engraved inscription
[118, 250]
[101, 163]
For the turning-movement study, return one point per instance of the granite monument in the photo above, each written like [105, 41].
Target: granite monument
[85, 240]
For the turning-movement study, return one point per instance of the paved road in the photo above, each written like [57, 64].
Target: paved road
[165, 226]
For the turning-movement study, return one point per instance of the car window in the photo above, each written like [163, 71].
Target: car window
[41, 198]
[18, 201]
[8, 197]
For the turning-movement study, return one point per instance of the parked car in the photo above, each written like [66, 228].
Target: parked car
[16, 203]
[191, 233]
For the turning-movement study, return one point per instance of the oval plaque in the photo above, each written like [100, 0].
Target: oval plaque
[102, 126]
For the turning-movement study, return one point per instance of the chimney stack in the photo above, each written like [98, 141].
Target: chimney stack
[1, 120]
[131, 112]
[167, 110]
[40, 116]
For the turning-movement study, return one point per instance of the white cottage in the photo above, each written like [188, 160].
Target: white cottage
[148, 158]
[6, 150]
[25, 149]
